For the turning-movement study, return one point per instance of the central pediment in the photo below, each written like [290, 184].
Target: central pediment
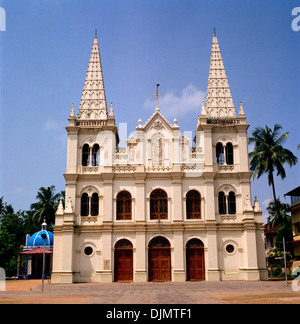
[158, 122]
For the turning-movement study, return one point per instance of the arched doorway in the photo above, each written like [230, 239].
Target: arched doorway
[159, 259]
[195, 260]
[123, 261]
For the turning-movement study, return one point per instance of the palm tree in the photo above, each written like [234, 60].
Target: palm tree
[46, 205]
[276, 218]
[269, 154]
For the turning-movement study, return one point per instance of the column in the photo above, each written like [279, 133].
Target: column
[107, 197]
[140, 257]
[107, 257]
[178, 257]
[140, 199]
[177, 215]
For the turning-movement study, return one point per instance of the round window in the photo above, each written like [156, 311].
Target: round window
[229, 248]
[88, 250]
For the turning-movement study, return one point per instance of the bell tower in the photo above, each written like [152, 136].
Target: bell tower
[92, 138]
[226, 173]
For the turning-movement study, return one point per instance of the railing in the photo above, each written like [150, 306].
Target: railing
[89, 169]
[226, 167]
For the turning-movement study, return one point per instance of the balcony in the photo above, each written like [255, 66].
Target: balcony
[294, 199]
[295, 196]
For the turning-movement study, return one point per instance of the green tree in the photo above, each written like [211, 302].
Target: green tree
[286, 232]
[46, 205]
[277, 213]
[269, 155]
[11, 237]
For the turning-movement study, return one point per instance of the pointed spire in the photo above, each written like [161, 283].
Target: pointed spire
[256, 207]
[241, 112]
[242, 116]
[60, 208]
[219, 103]
[72, 118]
[72, 113]
[93, 101]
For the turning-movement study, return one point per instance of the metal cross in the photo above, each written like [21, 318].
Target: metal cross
[157, 95]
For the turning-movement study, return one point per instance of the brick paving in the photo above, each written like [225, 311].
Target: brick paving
[138, 293]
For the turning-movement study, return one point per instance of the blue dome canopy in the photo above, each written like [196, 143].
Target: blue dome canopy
[36, 240]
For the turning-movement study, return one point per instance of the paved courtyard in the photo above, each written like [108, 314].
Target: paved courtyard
[199, 292]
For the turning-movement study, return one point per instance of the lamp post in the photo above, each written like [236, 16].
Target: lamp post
[44, 237]
[286, 281]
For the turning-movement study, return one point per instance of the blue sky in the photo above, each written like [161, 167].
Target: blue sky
[44, 57]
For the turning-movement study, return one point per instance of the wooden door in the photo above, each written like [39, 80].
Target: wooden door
[124, 265]
[195, 264]
[160, 264]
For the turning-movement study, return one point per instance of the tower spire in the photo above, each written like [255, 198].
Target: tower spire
[93, 101]
[219, 103]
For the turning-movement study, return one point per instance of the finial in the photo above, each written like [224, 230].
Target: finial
[256, 207]
[214, 30]
[60, 208]
[241, 112]
[72, 113]
[111, 111]
[140, 123]
[96, 32]
[44, 225]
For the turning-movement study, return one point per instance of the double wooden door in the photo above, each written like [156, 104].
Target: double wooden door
[123, 265]
[159, 264]
[195, 264]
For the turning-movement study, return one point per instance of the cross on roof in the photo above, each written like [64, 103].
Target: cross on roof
[157, 95]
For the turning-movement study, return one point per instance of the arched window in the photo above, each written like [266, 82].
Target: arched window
[123, 244]
[124, 205]
[194, 243]
[231, 203]
[229, 153]
[220, 153]
[159, 242]
[193, 209]
[222, 202]
[95, 205]
[85, 155]
[158, 204]
[96, 155]
[85, 205]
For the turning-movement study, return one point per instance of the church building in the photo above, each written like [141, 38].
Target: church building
[169, 205]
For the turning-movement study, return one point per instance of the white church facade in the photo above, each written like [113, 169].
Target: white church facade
[166, 207]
